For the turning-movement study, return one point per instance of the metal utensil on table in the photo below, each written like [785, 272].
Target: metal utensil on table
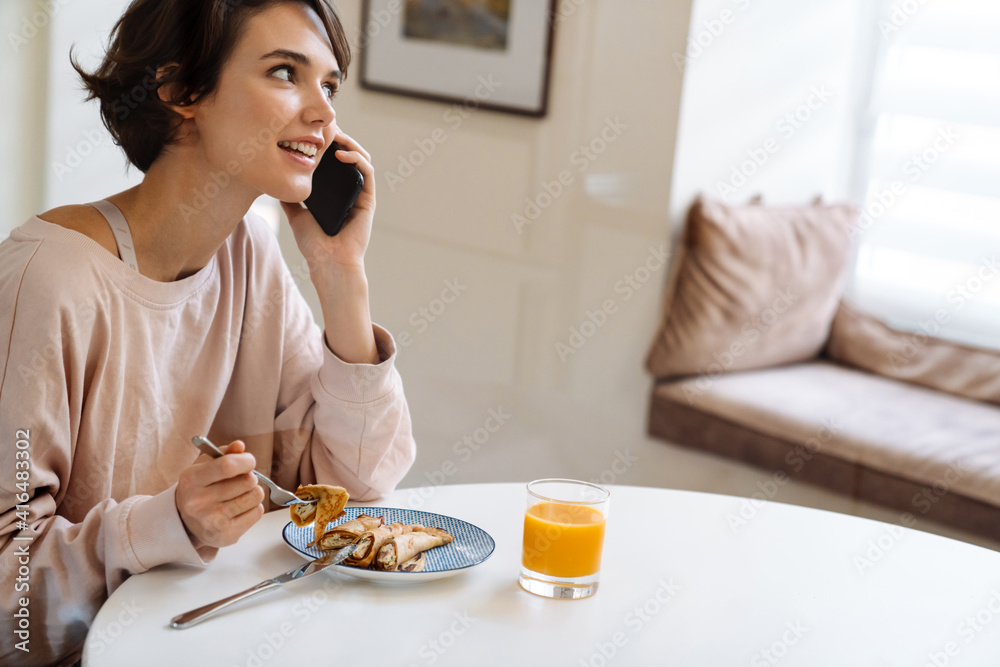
[187, 619]
[279, 496]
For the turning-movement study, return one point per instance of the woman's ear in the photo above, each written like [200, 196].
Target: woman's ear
[165, 91]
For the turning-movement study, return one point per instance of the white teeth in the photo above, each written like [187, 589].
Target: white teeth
[304, 148]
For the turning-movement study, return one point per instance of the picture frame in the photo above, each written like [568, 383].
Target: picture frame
[494, 54]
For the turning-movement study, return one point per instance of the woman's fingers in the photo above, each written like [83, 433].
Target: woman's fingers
[245, 521]
[219, 499]
[225, 522]
[244, 502]
[210, 471]
[358, 159]
[235, 447]
[232, 488]
[348, 143]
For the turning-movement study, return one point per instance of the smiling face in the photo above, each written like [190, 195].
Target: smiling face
[276, 88]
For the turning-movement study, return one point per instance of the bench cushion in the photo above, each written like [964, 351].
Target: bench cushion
[862, 340]
[846, 421]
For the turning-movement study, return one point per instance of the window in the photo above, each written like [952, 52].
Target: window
[929, 255]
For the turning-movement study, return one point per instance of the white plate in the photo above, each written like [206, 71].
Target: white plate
[472, 545]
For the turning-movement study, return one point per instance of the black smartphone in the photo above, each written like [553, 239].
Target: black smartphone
[335, 187]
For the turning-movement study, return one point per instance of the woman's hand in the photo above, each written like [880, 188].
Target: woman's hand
[219, 499]
[344, 252]
[337, 263]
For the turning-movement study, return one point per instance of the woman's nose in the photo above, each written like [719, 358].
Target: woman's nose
[319, 108]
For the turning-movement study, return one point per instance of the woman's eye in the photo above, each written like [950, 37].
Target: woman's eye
[290, 71]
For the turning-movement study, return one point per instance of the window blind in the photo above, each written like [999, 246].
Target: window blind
[928, 256]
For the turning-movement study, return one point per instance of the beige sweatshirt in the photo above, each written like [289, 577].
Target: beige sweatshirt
[105, 375]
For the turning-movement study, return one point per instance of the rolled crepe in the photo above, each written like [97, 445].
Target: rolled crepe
[326, 504]
[415, 564]
[370, 541]
[404, 547]
[345, 533]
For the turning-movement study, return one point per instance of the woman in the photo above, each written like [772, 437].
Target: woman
[165, 311]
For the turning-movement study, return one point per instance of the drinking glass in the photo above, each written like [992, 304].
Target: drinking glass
[563, 538]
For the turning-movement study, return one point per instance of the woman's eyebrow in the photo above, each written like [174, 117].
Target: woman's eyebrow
[299, 58]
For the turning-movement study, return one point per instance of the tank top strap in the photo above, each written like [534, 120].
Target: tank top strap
[119, 227]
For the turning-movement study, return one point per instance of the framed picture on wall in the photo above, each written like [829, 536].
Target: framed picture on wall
[495, 54]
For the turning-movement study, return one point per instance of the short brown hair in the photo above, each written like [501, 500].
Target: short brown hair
[199, 35]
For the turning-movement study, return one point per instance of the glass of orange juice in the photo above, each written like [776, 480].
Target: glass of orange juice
[563, 538]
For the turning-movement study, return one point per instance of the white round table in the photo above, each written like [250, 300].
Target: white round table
[688, 579]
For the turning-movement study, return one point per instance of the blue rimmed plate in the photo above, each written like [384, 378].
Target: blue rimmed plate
[472, 545]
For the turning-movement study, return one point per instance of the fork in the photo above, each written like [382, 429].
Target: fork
[279, 496]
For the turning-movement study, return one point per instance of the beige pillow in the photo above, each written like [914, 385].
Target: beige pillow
[861, 340]
[752, 286]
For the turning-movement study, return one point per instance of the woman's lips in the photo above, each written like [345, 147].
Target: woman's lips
[299, 157]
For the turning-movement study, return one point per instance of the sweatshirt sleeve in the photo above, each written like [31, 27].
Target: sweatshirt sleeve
[337, 422]
[56, 572]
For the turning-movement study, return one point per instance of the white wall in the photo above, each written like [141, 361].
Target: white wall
[23, 71]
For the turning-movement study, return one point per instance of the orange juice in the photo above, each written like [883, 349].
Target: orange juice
[563, 540]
